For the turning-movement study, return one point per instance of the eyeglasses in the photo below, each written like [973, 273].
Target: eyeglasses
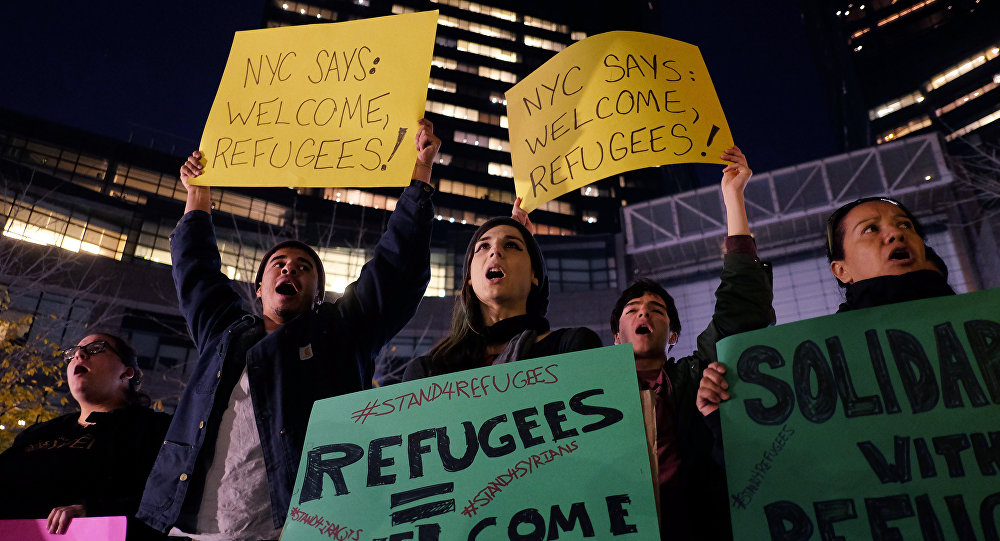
[92, 348]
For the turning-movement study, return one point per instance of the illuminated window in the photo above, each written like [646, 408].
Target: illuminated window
[441, 84]
[497, 75]
[480, 8]
[532, 41]
[484, 141]
[902, 13]
[486, 50]
[912, 126]
[500, 170]
[895, 105]
[49, 227]
[962, 68]
[482, 29]
[476, 192]
[968, 97]
[482, 71]
[992, 117]
[577, 36]
[80, 169]
[399, 10]
[308, 10]
[454, 111]
[497, 97]
[561, 207]
[545, 25]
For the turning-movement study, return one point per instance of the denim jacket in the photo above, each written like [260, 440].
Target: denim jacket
[322, 353]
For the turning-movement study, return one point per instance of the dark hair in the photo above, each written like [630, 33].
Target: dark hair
[639, 288]
[466, 341]
[129, 357]
[320, 273]
[835, 233]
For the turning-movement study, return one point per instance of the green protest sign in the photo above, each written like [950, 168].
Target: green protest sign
[877, 424]
[539, 449]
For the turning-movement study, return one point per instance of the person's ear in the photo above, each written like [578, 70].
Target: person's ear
[258, 291]
[672, 338]
[618, 338]
[534, 280]
[841, 271]
[129, 373]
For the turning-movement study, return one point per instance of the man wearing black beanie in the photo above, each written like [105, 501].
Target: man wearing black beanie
[229, 461]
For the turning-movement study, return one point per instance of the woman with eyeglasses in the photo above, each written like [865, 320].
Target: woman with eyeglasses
[877, 254]
[92, 462]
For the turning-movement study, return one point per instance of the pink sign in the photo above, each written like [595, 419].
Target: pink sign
[81, 529]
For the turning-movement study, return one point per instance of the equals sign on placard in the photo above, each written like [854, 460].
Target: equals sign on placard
[424, 510]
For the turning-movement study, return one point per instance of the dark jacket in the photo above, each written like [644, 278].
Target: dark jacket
[319, 354]
[696, 505]
[102, 466]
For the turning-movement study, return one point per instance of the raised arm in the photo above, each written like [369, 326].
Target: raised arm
[386, 294]
[521, 216]
[734, 180]
[427, 148]
[743, 300]
[205, 295]
[198, 197]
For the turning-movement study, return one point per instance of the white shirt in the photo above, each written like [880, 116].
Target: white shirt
[236, 504]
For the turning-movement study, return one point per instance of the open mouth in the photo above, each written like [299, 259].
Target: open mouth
[899, 254]
[286, 288]
[642, 329]
[80, 369]
[494, 273]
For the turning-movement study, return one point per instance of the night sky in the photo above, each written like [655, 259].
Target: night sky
[123, 68]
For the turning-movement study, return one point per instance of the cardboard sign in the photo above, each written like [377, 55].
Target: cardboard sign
[80, 529]
[321, 105]
[877, 424]
[608, 104]
[537, 449]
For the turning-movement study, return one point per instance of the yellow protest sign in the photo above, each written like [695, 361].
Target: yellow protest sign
[612, 103]
[321, 105]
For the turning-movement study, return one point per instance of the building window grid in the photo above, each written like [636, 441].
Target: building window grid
[487, 50]
[442, 85]
[541, 43]
[979, 92]
[464, 5]
[912, 126]
[962, 68]
[307, 10]
[500, 170]
[545, 25]
[482, 71]
[80, 169]
[895, 105]
[578, 274]
[400, 10]
[475, 191]
[49, 227]
[482, 29]
[484, 141]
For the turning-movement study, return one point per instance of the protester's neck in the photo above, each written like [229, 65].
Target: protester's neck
[650, 363]
[87, 409]
[495, 313]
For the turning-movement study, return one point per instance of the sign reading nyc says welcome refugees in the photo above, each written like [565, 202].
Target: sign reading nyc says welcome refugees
[612, 103]
[539, 449]
[877, 424]
[321, 104]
